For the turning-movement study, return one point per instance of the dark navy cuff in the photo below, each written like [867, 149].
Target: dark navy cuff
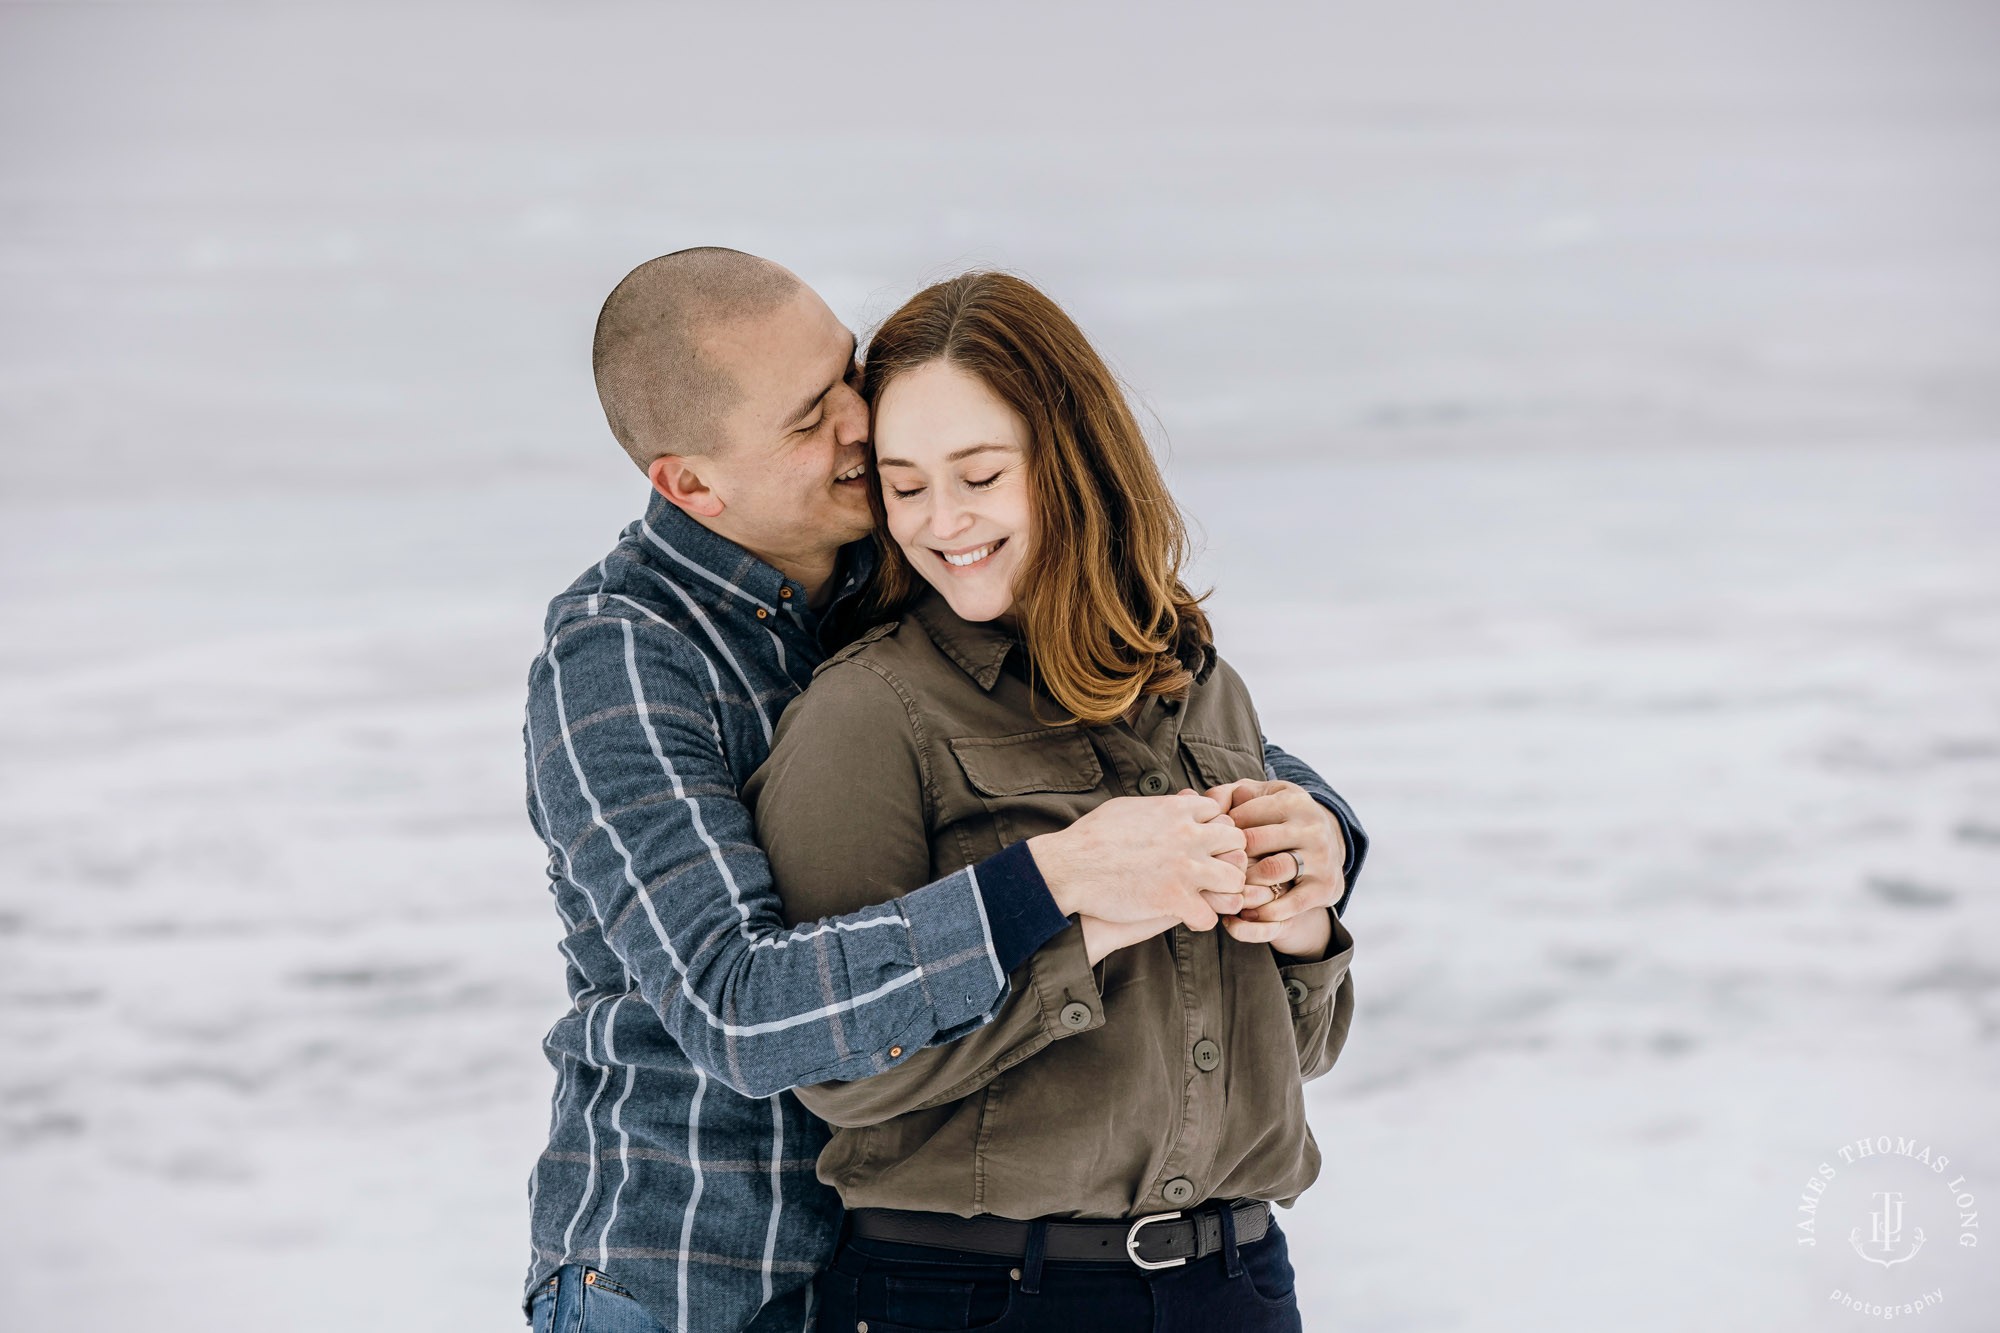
[1020, 911]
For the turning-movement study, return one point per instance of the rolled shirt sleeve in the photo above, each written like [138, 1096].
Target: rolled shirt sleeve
[1321, 995]
[1048, 1000]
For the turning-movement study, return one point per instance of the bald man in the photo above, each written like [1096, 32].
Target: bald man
[678, 1188]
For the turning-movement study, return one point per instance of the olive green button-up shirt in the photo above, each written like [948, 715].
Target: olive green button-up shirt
[1170, 1073]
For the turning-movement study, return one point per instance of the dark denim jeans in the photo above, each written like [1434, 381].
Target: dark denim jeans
[919, 1289]
[577, 1301]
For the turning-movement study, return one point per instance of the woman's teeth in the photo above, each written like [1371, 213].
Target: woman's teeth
[972, 557]
[855, 473]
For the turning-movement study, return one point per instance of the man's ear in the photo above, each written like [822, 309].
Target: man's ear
[680, 480]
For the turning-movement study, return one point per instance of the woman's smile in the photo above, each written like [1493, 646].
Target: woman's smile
[968, 559]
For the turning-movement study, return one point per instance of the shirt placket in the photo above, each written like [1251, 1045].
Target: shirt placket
[1149, 748]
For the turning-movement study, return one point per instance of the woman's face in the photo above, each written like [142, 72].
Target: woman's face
[953, 462]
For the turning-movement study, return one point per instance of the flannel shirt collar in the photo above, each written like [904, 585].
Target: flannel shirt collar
[726, 578]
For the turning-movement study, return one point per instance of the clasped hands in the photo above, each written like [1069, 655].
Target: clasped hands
[1261, 858]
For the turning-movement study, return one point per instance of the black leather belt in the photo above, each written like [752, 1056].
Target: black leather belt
[1164, 1240]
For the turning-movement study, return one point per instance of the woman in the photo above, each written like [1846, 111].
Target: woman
[1037, 654]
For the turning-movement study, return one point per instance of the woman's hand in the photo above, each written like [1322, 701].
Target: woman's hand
[1303, 938]
[1103, 938]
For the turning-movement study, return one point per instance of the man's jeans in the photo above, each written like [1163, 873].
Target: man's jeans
[579, 1300]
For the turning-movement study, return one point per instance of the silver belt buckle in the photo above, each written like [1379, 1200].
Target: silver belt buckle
[1132, 1242]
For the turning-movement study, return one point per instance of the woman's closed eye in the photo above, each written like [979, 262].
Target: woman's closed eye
[970, 484]
[917, 491]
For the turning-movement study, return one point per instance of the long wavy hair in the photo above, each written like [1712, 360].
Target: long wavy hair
[1099, 602]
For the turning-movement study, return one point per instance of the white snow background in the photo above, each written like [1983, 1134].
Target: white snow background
[1591, 409]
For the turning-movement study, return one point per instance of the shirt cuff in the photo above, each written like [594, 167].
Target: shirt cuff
[1020, 911]
[1065, 986]
[1308, 986]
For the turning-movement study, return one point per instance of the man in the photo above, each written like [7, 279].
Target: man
[677, 1190]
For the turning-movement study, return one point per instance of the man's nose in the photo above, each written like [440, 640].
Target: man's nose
[850, 415]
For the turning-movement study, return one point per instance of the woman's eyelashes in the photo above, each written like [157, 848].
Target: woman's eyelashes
[970, 485]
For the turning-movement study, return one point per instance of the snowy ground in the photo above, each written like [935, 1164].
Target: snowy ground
[1592, 412]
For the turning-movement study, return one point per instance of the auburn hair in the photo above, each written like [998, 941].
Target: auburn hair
[1099, 602]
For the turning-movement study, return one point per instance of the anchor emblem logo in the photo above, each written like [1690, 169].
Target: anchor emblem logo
[1886, 1233]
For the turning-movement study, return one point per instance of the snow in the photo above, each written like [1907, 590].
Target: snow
[1590, 411]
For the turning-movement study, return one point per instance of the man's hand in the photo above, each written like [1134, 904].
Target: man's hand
[1286, 832]
[1137, 858]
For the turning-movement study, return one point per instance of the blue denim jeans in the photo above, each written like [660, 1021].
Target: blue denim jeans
[582, 1300]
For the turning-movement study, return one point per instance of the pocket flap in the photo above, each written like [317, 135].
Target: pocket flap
[1035, 761]
[1218, 763]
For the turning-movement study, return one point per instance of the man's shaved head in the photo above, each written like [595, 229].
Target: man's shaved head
[662, 393]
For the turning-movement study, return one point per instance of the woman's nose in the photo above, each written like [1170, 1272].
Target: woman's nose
[947, 518]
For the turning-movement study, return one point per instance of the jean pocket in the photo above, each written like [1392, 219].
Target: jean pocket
[927, 1303]
[835, 1292]
[1268, 1265]
[610, 1308]
[898, 1304]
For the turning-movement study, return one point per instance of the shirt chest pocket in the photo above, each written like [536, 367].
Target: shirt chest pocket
[1216, 762]
[1029, 784]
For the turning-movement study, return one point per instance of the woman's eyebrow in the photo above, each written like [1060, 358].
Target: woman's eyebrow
[954, 456]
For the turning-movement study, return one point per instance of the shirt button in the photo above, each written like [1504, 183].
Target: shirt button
[1179, 1190]
[784, 592]
[1154, 782]
[762, 614]
[1207, 1055]
[1075, 1016]
[895, 1052]
[1295, 990]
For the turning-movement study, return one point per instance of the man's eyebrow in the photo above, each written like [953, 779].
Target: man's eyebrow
[956, 454]
[814, 401]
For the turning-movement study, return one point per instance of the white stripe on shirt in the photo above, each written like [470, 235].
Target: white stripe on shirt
[694, 1195]
[624, 1137]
